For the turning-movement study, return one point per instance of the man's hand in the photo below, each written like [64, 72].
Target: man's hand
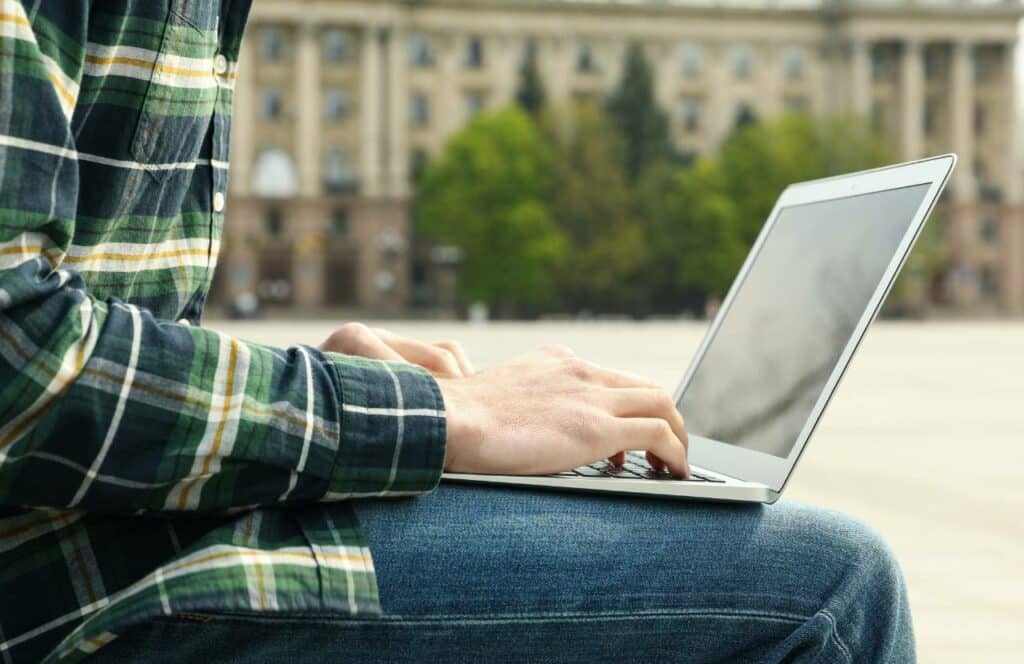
[444, 359]
[551, 411]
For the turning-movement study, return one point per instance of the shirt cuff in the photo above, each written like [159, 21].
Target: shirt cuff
[393, 429]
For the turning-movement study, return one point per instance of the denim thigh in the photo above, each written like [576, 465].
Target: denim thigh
[474, 573]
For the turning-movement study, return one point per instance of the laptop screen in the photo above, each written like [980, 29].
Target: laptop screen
[793, 315]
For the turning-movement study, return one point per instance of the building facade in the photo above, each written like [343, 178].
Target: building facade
[339, 103]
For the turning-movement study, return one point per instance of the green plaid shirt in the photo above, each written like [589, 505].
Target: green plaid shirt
[149, 466]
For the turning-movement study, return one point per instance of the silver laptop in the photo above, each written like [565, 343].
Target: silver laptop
[772, 358]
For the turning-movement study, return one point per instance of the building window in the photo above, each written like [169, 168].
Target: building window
[881, 65]
[979, 65]
[474, 104]
[585, 62]
[793, 63]
[338, 175]
[928, 117]
[336, 104]
[990, 230]
[934, 65]
[273, 175]
[337, 45]
[979, 119]
[690, 59]
[418, 164]
[420, 52]
[339, 222]
[989, 282]
[272, 43]
[530, 50]
[419, 109]
[270, 103]
[273, 222]
[742, 61]
[474, 53]
[690, 114]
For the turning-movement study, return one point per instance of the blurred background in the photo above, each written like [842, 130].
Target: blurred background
[593, 172]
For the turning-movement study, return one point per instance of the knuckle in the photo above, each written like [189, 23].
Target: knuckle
[558, 350]
[349, 336]
[353, 331]
[449, 345]
[577, 368]
[661, 430]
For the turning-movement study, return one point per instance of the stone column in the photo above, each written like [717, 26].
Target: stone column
[370, 113]
[1012, 181]
[860, 77]
[964, 229]
[719, 112]
[505, 62]
[243, 150]
[557, 69]
[1013, 260]
[308, 109]
[770, 80]
[666, 85]
[961, 104]
[398, 116]
[450, 111]
[912, 102]
[1013, 217]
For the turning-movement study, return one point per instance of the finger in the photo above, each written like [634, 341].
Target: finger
[645, 402]
[455, 348]
[655, 462]
[618, 459]
[594, 373]
[437, 360]
[656, 436]
[357, 339]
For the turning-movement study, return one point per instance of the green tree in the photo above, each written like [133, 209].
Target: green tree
[530, 96]
[592, 204]
[488, 193]
[714, 210]
[637, 117]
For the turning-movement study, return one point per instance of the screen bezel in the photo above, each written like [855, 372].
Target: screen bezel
[772, 471]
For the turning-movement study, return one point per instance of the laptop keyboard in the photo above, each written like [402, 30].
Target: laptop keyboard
[636, 467]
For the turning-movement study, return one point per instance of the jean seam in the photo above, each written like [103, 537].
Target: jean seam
[574, 616]
[834, 635]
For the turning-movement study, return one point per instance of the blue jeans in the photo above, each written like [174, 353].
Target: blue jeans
[474, 574]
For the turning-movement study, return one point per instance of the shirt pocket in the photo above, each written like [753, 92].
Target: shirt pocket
[182, 90]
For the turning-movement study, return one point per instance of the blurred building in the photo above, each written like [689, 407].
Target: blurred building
[339, 103]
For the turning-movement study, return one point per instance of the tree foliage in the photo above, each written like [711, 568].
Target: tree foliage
[714, 210]
[489, 194]
[637, 117]
[592, 204]
[530, 95]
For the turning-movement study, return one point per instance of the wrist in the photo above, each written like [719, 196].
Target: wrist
[461, 423]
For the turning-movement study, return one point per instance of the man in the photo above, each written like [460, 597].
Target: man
[170, 493]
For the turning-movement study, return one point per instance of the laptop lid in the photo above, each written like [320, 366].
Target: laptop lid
[812, 283]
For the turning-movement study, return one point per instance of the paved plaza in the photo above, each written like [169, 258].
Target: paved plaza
[925, 441]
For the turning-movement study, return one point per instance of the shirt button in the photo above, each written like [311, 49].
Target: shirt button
[220, 65]
[218, 202]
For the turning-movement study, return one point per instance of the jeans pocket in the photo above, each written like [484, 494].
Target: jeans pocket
[182, 89]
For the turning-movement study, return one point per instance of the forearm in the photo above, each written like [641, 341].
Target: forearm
[106, 408]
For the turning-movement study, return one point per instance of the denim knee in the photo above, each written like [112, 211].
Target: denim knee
[868, 607]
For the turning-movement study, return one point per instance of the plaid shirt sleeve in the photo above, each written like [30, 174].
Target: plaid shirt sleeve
[105, 407]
